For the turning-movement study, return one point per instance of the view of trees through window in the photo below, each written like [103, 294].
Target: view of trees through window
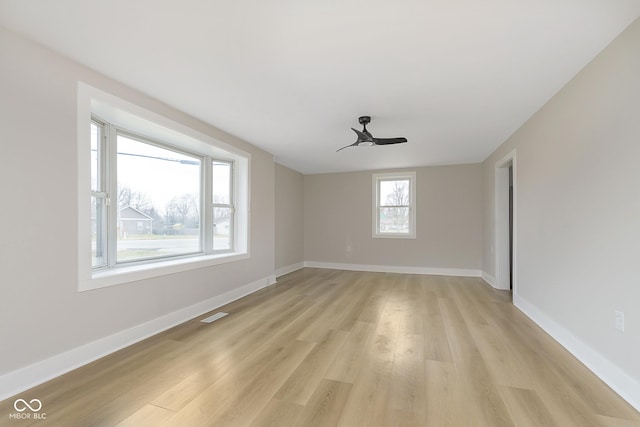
[158, 201]
[394, 206]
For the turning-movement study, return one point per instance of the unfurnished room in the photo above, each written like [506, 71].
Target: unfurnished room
[283, 213]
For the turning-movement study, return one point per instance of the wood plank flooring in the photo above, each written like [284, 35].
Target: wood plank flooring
[337, 348]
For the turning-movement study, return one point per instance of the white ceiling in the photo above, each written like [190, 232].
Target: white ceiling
[456, 77]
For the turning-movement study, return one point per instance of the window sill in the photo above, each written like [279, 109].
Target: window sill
[394, 236]
[126, 274]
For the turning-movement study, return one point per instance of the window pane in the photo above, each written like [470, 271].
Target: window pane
[394, 220]
[98, 232]
[394, 193]
[221, 173]
[95, 157]
[222, 226]
[158, 201]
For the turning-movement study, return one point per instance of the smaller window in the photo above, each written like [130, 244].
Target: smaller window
[394, 213]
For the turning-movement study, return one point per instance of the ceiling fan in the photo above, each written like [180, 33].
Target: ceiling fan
[366, 138]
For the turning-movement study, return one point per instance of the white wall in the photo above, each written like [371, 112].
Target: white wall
[41, 312]
[578, 214]
[338, 221]
[289, 219]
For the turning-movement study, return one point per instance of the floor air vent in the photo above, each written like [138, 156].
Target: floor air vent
[215, 317]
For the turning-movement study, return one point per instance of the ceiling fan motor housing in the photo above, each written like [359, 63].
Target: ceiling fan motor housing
[364, 120]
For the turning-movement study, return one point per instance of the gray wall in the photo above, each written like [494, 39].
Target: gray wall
[338, 220]
[41, 312]
[578, 207]
[289, 217]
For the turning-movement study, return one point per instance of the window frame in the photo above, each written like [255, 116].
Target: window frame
[377, 178]
[95, 105]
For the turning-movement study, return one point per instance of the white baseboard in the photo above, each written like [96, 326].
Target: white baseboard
[25, 378]
[489, 279]
[395, 269]
[289, 269]
[627, 387]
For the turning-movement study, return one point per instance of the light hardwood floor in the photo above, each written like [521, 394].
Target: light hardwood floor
[325, 348]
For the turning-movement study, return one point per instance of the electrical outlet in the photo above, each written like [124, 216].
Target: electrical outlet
[620, 321]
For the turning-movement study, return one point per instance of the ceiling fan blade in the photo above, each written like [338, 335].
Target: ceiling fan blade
[363, 137]
[355, 144]
[388, 141]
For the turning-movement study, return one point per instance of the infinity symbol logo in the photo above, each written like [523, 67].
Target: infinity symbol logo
[21, 405]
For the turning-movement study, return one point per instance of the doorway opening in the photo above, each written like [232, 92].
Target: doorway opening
[505, 223]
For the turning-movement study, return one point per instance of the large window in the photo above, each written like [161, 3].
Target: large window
[394, 213]
[154, 197]
[147, 202]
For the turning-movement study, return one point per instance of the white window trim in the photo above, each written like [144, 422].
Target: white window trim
[377, 177]
[139, 120]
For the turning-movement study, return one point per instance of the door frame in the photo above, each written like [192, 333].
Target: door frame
[501, 223]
